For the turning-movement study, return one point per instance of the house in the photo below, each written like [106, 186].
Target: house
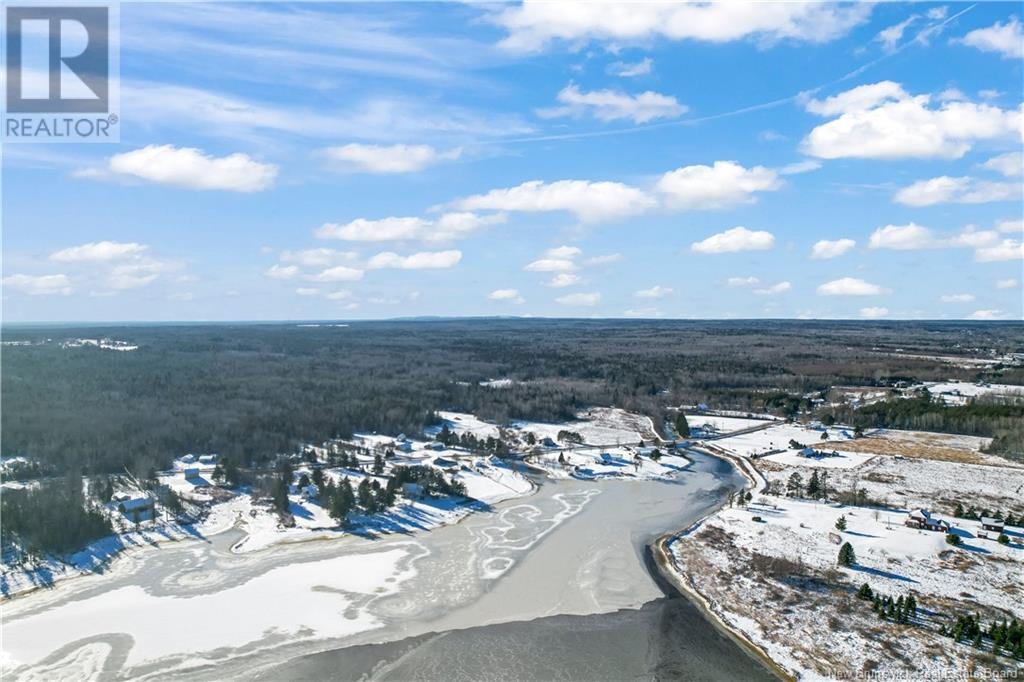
[994, 525]
[136, 509]
[436, 445]
[191, 473]
[187, 459]
[921, 518]
[548, 443]
[404, 446]
[208, 459]
[445, 463]
[413, 491]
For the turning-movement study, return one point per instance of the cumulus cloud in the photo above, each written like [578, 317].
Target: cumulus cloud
[1008, 249]
[721, 185]
[1010, 226]
[1006, 39]
[551, 265]
[98, 252]
[891, 36]
[873, 312]
[317, 258]
[882, 121]
[657, 291]
[39, 285]
[630, 70]
[282, 271]
[508, 295]
[849, 286]
[589, 201]
[825, 248]
[339, 273]
[385, 159]
[960, 190]
[307, 291]
[564, 279]
[603, 259]
[643, 312]
[1010, 283]
[957, 298]
[742, 281]
[736, 239]
[612, 105]
[902, 238]
[587, 300]
[563, 252]
[449, 227]
[780, 288]
[424, 260]
[535, 24]
[1010, 164]
[987, 315]
[188, 168]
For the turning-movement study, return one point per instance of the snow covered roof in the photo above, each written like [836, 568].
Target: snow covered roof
[989, 521]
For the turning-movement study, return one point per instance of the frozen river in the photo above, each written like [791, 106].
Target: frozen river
[452, 603]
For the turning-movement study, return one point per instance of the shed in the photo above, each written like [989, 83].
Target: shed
[994, 525]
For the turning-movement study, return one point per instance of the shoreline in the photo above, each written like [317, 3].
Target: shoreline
[668, 573]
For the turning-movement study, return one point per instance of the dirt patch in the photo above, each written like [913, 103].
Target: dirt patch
[918, 445]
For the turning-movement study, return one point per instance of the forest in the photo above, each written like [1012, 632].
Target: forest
[252, 391]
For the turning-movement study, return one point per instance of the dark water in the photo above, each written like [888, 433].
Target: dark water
[666, 639]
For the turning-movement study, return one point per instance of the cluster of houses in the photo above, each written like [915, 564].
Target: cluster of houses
[924, 520]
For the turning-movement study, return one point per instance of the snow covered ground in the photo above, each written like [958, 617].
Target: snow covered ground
[776, 581]
[605, 426]
[778, 437]
[722, 424]
[959, 392]
[622, 462]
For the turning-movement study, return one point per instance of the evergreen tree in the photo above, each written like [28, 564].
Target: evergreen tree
[794, 484]
[813, 486]
[865, 592]
[841, 523]
[378, 464]
[682, 426]
[847, 557]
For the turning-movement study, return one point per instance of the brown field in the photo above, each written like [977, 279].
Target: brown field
[920, 445]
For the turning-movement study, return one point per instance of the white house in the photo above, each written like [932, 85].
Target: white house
[135, 508]
[187, 459]
[208, 459]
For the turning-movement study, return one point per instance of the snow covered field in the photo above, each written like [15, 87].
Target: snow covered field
[722, 424]
[841, 460]
[959, 392]
[778, 437]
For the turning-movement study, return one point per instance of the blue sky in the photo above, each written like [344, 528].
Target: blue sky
[321, 161]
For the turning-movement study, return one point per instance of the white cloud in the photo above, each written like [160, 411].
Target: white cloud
[563, 279]
[282, 271]
[987, 315]
[611, 105]
[424, 260]
[98, 252]
[317, 258]
[603, 259]
[892, 35]
[736, 239]
[191, 168]
[643, 312]
[339, 273]
[657, 291]
[780, 288]
[589, 201]
[1008, 249]
[724, 184]
[449, 227]
[873, 312]
[510, 295]
[849, 286]
[579, 299]
[831, 248]
[742, 281]
[563, 252]
[1010, 283]
[1010, 164]
[1006, 39]
[39, 285]
[307, 291]
[902, 238]
[957, 298]
[551, 265]
[630, 70]
[882, 121]
[340, 295]
[534, 24]
[137, 272]
[961, 190]
[798, 167]
[1010, 226]
[972, 238]
[382, 159]
[385, 229]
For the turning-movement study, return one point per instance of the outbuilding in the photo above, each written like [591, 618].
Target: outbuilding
[994, 525]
